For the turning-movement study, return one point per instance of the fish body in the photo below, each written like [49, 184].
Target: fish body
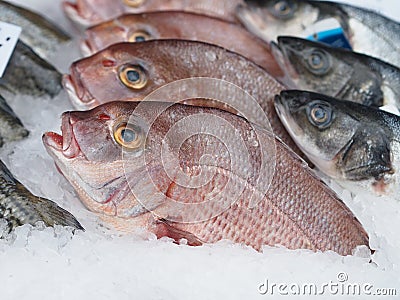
[103, 77]
[92, 12]
[367, 31]
[180, 25]
[29, 74]
[18, 206]
[38, 33]
[11, 128]
[357, 145]
[337, 72]
[170, 168]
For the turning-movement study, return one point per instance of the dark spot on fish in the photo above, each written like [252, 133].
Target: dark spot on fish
[7, 39]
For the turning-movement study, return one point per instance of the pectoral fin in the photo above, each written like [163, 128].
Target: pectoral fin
[165, 228]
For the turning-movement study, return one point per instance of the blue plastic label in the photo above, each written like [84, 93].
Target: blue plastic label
[327, 31]
[333, 37]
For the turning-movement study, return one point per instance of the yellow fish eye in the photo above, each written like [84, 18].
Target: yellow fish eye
[133, 77]
[139, 36]
[133, 3]
[128, 136]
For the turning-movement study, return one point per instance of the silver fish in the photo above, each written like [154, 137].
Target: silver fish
[337, 72]
[367, 31]
[29, 74]
[18, 206]
[38, 33]
[11, 128]
[357, 145]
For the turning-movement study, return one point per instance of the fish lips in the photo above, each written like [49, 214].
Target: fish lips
[66, 143]
[86, 47]
[75, 12]
[79, 96]
[282, 53]
[286, 104]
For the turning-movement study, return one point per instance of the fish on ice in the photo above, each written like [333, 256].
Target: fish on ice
[367, 31]
[197, 173]
[18, 206]
[184, 26]
[357, 145]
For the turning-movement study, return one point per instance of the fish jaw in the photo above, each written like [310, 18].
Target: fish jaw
[290, 75]
[68, 158]
[86, 48]
[252, 19]
[258, 19]
[75, 13]
[80, 97]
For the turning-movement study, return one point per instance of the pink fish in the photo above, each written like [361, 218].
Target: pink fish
[197, 173]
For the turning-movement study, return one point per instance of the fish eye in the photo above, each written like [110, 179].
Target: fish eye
[318, 62]
[133, 76]
[133, 3]
[319, 114]
[139, 36]
[283, 9]
[128, 136]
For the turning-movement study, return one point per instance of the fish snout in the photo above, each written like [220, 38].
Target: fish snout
[77, 12]
[292, 100]
[77, 93]
[86, 47]
[70, 147]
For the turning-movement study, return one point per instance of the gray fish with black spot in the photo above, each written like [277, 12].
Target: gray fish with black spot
[357, 145]
[337, 72]
[29, 74]
[11, 128]
[367, 31]
[40, 34]
[18, 206]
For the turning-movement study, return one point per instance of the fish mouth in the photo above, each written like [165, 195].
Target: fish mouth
[283, 111]
[65, 143]
[87, 48]
[250, 17]
[63, 148]
[282, 57]
[80, 98]
[74, 11]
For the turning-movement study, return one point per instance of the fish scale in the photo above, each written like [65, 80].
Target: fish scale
[18, 206]
[185, 26]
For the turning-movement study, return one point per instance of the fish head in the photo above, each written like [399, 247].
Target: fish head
[95, 151]
[128, 28]
[124, 158]
[335, 72]
[345, 140]
[92, 12]
[311, 66]
[271, 18]
[121, 71]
